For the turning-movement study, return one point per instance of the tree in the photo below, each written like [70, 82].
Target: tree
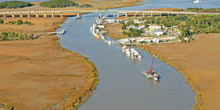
[19, 22]
[1, 21]
[14, 4]
[124, 33]
[58, 3]
[123, 27]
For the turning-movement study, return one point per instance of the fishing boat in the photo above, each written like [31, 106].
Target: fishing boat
[196, 1]
[152, 73]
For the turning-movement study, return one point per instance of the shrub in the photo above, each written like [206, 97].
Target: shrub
[58, 3]
[14, 4]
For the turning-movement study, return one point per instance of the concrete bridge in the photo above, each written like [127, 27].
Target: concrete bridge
[125, 13]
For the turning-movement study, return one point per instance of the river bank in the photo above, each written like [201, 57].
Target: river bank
[196, 61]
[40, 73]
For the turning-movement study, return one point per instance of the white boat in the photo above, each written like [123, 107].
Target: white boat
[109, 42]
[151, 74]
[196, 1]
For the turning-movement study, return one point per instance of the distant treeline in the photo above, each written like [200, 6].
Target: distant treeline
[14, 4]
[58, 3]
[8, 36]
[63, 3]
[203, 10]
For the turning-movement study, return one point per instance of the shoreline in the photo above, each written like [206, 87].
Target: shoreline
[82, 99]
[199, 100]
[179, 60]
[92, 78]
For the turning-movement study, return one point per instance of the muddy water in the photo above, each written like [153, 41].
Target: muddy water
[122, 85]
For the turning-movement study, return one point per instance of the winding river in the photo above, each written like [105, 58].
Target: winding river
[122, 85]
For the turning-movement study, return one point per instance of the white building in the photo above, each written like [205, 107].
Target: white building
[101, 26]
[136, 27]
[157, 32]
[154, 27]
[156, 40]
[138, 21]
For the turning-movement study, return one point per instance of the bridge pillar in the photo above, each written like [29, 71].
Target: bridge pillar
[143, 14]
[160, 14]
[151, 14]
[13, 15]
[52, 14]
[37, 15]
[100, 14]
[135, 14]
[28, 15]
[5, 15]
[118, 15]
[126, 14]
[21, 15]
[178, 14]
[61, 15]
[45, 15]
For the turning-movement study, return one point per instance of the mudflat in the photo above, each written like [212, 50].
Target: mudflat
[199, 63]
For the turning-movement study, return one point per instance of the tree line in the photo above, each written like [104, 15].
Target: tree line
[14, 4]
[63, 3]
[203, 10]
[18, 22]
[58, 3]
[189, 24]
[8, 36]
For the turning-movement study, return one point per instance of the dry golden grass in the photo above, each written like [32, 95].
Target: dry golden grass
[199, 64]
[37, 74]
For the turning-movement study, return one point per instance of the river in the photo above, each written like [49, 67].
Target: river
[122, 85]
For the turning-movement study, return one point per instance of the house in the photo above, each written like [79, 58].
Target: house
[136, 27]
[124, 41]
[101, 26]
[138, 21]
[157, 32]
[109, 21]
[175, 28]
[156, 40]
[154, 27]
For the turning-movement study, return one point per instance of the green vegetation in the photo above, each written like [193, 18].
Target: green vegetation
[189, 24]
[18, 22]
[1, 21]
[8, 36]
[132, 32]
[203, 10]
[85, 6]
[58, 3]
[14, 4]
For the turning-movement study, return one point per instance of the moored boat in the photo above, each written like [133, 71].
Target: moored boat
[196, 1]
[152, 73]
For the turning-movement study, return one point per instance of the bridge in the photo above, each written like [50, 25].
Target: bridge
[125, 13]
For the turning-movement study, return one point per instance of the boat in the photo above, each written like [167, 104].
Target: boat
[102, 37]
[152, 73]
[196, 1]
[131, 52]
